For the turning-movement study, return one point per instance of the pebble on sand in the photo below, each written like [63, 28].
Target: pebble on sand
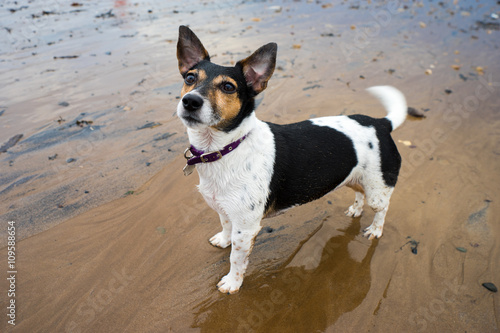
[490, 286]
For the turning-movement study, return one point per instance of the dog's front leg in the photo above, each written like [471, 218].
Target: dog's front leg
[223, 238]
[242, 244]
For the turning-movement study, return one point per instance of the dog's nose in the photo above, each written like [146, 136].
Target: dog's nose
[192, 102]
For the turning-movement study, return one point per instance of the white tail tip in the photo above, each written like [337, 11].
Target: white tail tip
[394, 102]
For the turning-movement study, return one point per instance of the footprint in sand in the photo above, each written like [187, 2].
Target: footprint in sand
[475, 242]
[459, 267]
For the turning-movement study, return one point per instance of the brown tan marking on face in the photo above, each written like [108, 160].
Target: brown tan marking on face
[227, 105]
[201, 76]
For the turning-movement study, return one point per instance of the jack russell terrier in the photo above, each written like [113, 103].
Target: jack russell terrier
[250, 169]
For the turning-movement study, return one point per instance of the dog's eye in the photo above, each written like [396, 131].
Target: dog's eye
[190, 79]
[228, 88]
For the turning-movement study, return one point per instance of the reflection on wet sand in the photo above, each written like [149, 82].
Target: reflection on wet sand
[328, 275]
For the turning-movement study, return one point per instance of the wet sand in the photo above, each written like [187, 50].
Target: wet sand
[116, 241]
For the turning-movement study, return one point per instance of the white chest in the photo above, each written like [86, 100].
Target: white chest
[238, 184]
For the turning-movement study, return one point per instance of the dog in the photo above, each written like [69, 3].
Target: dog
[250, 169]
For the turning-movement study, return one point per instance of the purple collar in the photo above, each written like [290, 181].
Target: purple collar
[199, 156]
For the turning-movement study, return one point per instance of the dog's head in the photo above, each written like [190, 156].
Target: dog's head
[217, 96]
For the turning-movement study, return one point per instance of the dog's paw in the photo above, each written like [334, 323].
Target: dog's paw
[354, 211]
[229, 284]
[220, 240]
[373, 232]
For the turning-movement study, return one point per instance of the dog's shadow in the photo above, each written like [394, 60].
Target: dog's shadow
[327, 276]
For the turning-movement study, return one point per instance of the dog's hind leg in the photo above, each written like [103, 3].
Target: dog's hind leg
[378, 199]
[242, 243]
[223, 238]
[356, 209]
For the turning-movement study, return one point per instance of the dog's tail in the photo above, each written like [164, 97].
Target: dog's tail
[394, 102]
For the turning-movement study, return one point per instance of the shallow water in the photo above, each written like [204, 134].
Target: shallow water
[132, 253]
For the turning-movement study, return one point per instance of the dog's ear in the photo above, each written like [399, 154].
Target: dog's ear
[259, 67]
[190, 51]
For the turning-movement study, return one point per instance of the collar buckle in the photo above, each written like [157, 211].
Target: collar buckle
[211, 157]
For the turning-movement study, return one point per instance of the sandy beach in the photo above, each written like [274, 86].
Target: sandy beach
[111, 237]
